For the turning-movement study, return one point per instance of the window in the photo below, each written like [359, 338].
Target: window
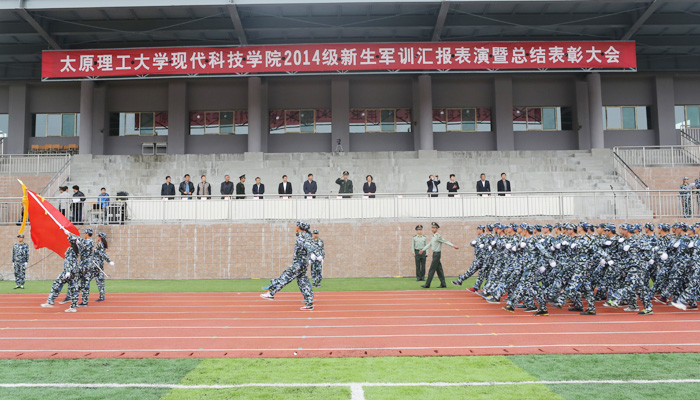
[542, 119]
[4, 125]
[626, 117]
[461, 120]
[300, 121]
[53, 125]
[219, 123]
[138, 124]
[687, 117]
[380, 120]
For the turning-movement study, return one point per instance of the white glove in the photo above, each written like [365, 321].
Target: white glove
[608, 242]
[493, 243]
[565, 243]
[313, 257]
[319, 258]
[626, 248]
[620, 240]
[541, 269]
[651, 262]
[602, 261]
[490, 248]
[691, 244]
[508, 246]
[664, 256]
[111, 263]
[677, 244]
[65, 230]
[522, 245]
[481, 246]
[551, 248]
[67, 275]
[473, 242]
[25, 265]
[573, 245]
[552, 263]
[611, 263]
[557, 246]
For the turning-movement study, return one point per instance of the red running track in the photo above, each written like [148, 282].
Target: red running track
[397, 323]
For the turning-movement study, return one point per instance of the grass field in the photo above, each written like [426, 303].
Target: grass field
[362, 370]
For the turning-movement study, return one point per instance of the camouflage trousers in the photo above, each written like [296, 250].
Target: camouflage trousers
[19, 273]
[636, 284]
[692, 290]
[579, 288]
[99, 278]
[296, 271]
[316, 272]
[476, 266]
[73, 289]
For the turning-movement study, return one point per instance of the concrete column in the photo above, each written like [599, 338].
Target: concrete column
[582, 122]
[87, 91]
[256, 130]
[340, 113]
[178, 117]
[415, 111]
[19, 124]
[595, 111]
[425, 112]
[503, 94]
[664, 121]
[100, 121]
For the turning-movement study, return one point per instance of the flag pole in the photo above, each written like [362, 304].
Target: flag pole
[41, 205]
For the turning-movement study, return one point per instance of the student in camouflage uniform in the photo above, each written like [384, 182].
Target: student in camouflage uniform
[317, 255]
[480, 247]
[20, 258]
[70, 275]
[684, 193]
[302, 248]
[96, 270]
[417, 243]
[435, 245]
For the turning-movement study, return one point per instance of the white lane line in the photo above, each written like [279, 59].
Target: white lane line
[351, 385]
[356, 392]
[297, 349]
[578, 333]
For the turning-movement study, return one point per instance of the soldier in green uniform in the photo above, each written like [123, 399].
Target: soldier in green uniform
[20, 258]
[435, 244]
[418, 243]
[240, 188]
[345, 184]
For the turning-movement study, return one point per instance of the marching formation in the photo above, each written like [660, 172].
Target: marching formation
[540, 264]
[83, 262]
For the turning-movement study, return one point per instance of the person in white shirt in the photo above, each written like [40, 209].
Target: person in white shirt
[63, 200]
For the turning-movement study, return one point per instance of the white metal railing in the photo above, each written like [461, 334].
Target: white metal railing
[630, 177]
[642, 156]
[592, 205]
[14, 164]
[51, 188]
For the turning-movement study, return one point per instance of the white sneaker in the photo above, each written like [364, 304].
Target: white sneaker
[307, 308]
[679, 305]
[46, 305]
[632, 309]
[267, 296]
[71, 310]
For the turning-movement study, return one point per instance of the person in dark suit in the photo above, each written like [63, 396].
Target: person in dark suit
[503, 185]
[452, 186]
[433, 182]
[483, 186]
[186, 187]
[258, 188]
[369, 186]
[78, 200]
[168, 189]
[226, 187]
[284, 187]
[240, 188]
[310, 186]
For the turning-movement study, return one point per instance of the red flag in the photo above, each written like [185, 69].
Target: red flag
[47, 224]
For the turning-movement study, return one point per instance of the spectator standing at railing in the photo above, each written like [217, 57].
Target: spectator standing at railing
[103, 201]
[258, 188]
[63, 200]
[168, 189]
[452, 186]
[226, 187]
[433, 183]
[345, 184]
[503, 185]
[685, 198]
[186, 187]
[310, 186]
[204, 189]
[284, 187]
[240, 187]
[483, 187]
[77, 207]
[369, 186]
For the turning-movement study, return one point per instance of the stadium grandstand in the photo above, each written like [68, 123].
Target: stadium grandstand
[362, 119]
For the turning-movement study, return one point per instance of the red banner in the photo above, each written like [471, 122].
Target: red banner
[338, 58]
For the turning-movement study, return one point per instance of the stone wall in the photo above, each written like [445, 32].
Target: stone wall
[666, 178]
[228, 251]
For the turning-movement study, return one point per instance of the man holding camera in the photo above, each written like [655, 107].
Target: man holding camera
[433, 182]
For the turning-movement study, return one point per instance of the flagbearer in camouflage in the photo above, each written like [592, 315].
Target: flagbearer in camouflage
[69, 275]
[303, 247]
[419, 241]
[96, 271]
[435, 245]
[317, 255]
[20, 258]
